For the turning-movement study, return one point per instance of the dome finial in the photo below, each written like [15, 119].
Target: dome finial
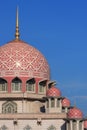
[17, 26]
[75, 103]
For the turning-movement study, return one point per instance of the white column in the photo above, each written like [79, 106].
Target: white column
[67, 126]
[49, 103]
[55, 102]
[71, 127]
[46, 106]
[82, 125]
[60, 105]
[66, 109]
[24, 106]
[77, 125]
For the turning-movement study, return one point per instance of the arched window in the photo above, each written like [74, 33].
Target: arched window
[27, 128]
[74, 124]
[9, 107]
[58, 102]
[3, 85]
[16, 84]
[42, 86]
[52, 102]
[30, 85]
[3, 127]
[51, 128]
[80, 125]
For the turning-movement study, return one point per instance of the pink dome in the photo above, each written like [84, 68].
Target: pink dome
[18, 58]
[66, 102]
[53, 92]
[85, 124]
[75, 113]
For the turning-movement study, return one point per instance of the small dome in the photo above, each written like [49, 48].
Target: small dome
[85, 124]
[66, 102]
[75, 113]
[53, 92]
[20, 58]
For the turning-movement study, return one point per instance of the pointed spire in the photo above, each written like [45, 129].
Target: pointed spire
[17, 35]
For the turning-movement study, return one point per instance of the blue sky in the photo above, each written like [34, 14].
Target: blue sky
[58, 28]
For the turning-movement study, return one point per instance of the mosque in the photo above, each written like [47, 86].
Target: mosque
[29, 99]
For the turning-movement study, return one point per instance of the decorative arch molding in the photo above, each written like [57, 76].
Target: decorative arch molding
[16, 84]
[3, 85]
[30, 85]
[9, 107]
[50, 84]
[27, 128]
[3, 128]
[51, 128]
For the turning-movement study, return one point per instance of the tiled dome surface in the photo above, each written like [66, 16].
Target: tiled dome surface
[85, 124]
[75, 113]
[65, 102]
[53, 92]
[19, 58]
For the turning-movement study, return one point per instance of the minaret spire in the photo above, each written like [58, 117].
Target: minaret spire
[17, 35]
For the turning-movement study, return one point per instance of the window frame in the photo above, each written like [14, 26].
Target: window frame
[3, 85]
[7, 105]
[31, 86]
[16, 86]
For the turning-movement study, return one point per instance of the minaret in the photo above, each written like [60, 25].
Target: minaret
[17, 35]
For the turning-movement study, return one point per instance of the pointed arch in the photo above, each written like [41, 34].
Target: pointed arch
[51, 128]
[27, 127]
[3, 84]
[3, 128]
[16, 84]
[30, 85]
[9, 107]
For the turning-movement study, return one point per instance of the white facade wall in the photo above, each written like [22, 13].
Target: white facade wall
[21, 124]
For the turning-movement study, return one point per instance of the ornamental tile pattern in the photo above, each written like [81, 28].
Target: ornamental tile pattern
[85, 124]
[65, 102]
[53, 92]
[75, 113]
[18, 57]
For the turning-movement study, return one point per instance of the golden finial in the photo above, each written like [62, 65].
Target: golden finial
[17, 35]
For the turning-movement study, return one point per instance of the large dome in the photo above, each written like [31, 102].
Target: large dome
[18, 58]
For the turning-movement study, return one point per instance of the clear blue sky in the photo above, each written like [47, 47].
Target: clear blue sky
[58, 28]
